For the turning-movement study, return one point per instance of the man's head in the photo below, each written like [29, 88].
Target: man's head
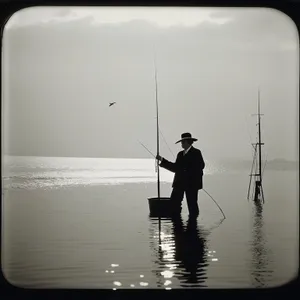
[186, 140]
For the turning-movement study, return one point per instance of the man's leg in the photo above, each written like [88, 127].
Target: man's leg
[192, 202]
[176, 198]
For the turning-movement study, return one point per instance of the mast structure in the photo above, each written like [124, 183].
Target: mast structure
[256, 164]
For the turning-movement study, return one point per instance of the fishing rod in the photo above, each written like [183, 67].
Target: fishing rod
[157, 127]
[156, 168]
[147, 149]
[202, 188]
[157, 141]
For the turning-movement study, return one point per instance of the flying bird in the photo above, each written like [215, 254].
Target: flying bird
[111, 103]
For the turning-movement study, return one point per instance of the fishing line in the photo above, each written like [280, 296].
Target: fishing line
[214, 226]
[167, 143]
[147, 149]
[215, 202]
[150, 154]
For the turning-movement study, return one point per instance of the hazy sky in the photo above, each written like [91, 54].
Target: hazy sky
[62, 66]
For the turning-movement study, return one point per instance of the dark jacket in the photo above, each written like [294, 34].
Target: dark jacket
[188, 169]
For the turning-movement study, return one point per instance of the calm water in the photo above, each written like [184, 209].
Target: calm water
[83, 223]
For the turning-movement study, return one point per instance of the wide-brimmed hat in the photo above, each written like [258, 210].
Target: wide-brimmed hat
[186, 136]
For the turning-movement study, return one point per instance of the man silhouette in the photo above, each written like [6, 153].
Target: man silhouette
[188, 169]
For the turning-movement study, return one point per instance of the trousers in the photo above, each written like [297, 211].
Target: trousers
[191, 197]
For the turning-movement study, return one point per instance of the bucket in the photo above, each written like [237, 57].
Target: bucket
[160, 207]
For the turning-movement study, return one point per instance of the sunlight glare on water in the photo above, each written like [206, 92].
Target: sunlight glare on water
[53, 173]
[94, 229]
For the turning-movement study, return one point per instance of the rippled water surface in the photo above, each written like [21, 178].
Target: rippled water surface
[84, 223]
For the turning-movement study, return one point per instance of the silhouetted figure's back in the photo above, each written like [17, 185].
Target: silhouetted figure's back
[188, 178]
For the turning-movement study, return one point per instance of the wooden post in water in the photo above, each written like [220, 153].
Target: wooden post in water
[258, 190]
[157, 150]
[157, 133]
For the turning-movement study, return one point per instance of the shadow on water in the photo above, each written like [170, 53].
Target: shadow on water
[180, 252]
[259, 250]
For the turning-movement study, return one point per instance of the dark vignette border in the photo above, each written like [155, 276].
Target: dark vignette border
[7, 291]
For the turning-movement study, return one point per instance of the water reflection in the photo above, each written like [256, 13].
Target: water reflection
[162, 244]
[181, 252]
[190, 252]
[260, 252]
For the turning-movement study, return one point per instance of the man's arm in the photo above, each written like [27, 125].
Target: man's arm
[170, 166]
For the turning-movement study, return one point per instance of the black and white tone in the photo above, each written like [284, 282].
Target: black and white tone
[150, 148]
